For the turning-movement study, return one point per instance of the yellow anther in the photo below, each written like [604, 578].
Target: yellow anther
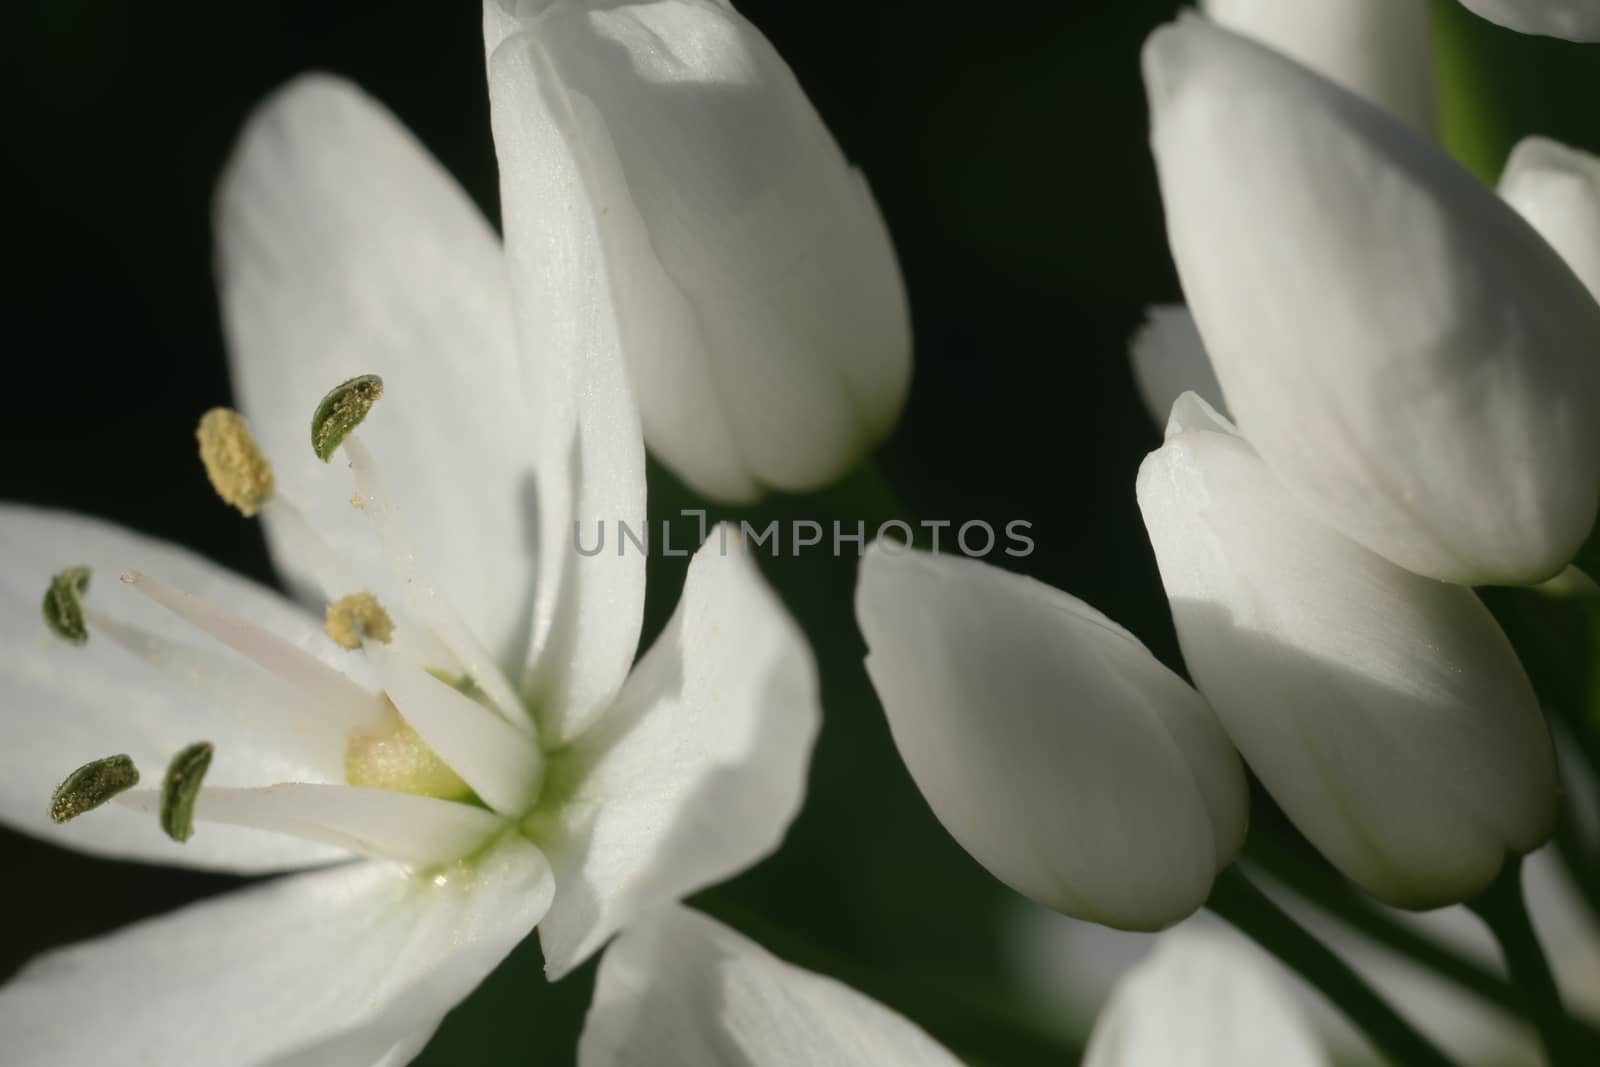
[238, 471]
[356, 618]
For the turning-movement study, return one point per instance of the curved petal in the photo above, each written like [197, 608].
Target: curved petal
[698, 770]
[1378, 49]
[1386, 713]
[1169, 359]
[1048, 741]
[681, 988]
[590, 454]
[343, 248]
[1557, 189]
[761, 308]
[1394, 339]
[1573, 20]
[360, 951]
[1202, 999]
[66, 705]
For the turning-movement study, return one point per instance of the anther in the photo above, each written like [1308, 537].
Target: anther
[357, 618]
[63, 605]
[238, 471]
[341, 411]
[92, 785]
[180, 788]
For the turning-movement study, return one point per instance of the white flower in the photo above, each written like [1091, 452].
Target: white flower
[1069, 968]
[1378, 49]
[756, 295]
[679, 988]
[1169, 359]
[1557, 189]
[492, 760]
[1049, 742]
[1575, 20]
[1202, 999]
[1401, 347]
[1386, 713]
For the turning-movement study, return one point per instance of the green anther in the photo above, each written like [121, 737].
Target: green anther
[341, 411]
[63, 605]
[92, 785]
[182, 785]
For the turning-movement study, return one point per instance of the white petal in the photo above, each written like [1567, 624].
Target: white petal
[698, 770]
[1378, 49]
[761, 308]
[1048, 741]
[66, 705]
[590, 454]
[1169, 359]
[1202, 1000]
[414, 830]
[247, 978]
[1396, 341]
[1385, 712]
[343, 248]
[1574, 20]
[1557, 189]
[679, 988]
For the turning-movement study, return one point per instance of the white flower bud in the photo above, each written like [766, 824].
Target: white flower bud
[1557, 189]
[1386, 713]
[760, 306]
[1049, 742]
[1378, 49]
[1407, 354]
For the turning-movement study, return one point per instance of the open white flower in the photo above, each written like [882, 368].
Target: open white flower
[1385, 712]
[1557, 189]
[1050, 743]
[1574, 20]
[756, 295]
[1378, 49]
[482, 744]
[1403, 349]
[680, 988]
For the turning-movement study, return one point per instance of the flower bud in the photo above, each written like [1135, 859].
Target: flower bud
[1378, 49]
[1048, 741]
[1385, 712]
[1557, 189]
[1407, 354]
[1574, 20]
[760, 306]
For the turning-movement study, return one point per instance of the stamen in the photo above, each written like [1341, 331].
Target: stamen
[92, 785]
[414, 830]
[63, 605]
[180, 788]
[238, 471]
[341, 411]
[328, 688]
[356, 618]
[423, 601]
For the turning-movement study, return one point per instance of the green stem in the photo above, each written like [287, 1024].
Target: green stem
[1238, 901]
[1504, 909]
[1328, 890]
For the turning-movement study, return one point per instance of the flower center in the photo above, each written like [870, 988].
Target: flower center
[445, 735]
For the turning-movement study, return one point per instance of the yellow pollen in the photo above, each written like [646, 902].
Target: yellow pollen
[356, 618]
[238, 471]
[393, 756]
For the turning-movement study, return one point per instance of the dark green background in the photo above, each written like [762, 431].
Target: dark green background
[1006, 144]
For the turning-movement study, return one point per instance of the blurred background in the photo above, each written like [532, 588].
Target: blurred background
[1007, 147]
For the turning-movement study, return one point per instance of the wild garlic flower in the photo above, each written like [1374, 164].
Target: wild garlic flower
[459, 716]
[1573, 20]
[1048, 740]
